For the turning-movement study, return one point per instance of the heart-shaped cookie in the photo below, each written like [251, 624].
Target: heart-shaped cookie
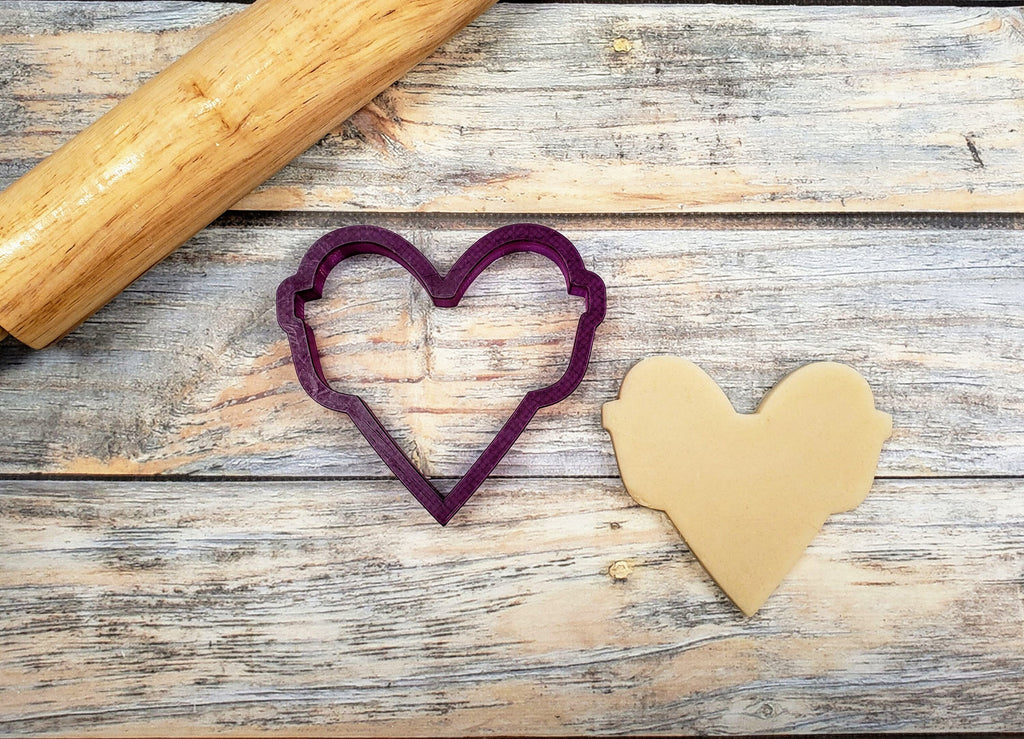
[446, 291]
[748, 492]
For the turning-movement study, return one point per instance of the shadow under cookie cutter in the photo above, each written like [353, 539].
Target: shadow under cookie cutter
[446, 291]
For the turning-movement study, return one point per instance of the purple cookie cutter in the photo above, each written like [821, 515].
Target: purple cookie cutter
[446, 292]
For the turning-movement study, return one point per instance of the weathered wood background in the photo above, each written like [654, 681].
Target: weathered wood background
[188, 544]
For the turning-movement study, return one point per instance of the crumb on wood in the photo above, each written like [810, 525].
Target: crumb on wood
[620, 570]
[622, 45]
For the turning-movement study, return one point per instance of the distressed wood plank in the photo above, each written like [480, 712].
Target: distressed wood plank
[157, 608]
[705, 107]
[187, 372]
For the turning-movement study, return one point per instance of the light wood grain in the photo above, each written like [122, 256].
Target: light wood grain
[247, 601]
[188, 372]
[726, 108]
[261, 88]
[154, 608]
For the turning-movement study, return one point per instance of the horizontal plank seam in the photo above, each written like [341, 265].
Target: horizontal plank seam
[764, 3]
[628, 221]
[72, 477]
[826, 3]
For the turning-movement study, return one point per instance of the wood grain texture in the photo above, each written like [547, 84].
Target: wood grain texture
[188, 372]
[726, 108]
[341, 607]
[264, 574]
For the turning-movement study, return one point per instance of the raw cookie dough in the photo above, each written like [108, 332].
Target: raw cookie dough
[747, 492]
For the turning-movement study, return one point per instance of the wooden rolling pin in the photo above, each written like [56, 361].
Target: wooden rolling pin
[169, 159]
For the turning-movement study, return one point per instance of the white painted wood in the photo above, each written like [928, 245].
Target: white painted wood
[188, 372]
[532, 109]
[332, 604]
[342, 608]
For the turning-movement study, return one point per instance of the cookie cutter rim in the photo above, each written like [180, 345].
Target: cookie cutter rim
[446, 291]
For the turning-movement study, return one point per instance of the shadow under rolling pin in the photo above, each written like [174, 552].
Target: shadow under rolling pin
[167, 160]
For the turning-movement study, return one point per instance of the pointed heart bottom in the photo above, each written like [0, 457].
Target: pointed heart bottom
[747, 492]
[446, 292]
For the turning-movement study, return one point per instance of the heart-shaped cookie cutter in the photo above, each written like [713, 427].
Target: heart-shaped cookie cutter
[446, 291]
